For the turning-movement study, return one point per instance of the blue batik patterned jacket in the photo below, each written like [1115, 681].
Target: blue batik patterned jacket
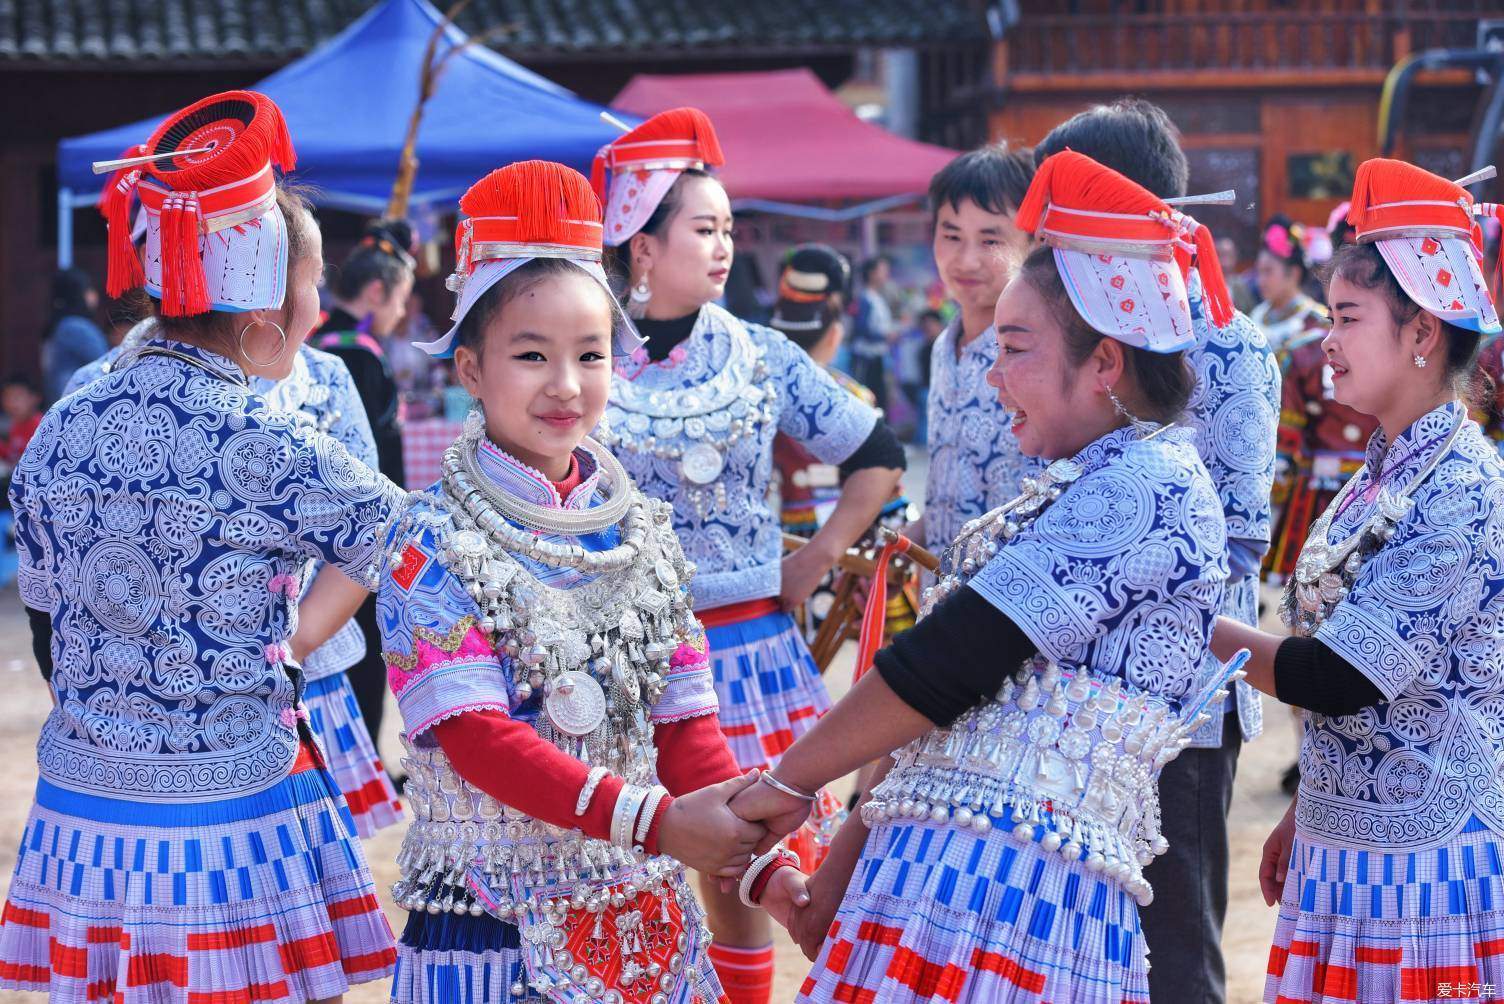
[164, 518]
[319, 392]
[1424, 620]
[734, 388]
[1235, 412]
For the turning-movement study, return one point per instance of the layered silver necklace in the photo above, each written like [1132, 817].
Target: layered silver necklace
[695, 428]
[1326, 570]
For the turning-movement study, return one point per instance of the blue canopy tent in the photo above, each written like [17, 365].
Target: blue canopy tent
[348, 103]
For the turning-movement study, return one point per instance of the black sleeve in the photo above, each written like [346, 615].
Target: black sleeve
[955, 658]
[880, 449]
[1309, 675]
[41, 640]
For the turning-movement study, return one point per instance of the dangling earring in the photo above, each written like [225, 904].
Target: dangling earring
[637, 300]
[1420, 361]
[281, 348]
[1123, 412]
[475, 422]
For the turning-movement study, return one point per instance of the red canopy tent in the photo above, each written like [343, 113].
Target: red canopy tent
[789, 139]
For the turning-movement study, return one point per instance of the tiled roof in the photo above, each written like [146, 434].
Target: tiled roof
[272, 31]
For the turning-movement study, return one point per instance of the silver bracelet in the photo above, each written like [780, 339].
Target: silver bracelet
[588, 791]
[758, 866]
[655, 798]
[772, 782]
[628, 803]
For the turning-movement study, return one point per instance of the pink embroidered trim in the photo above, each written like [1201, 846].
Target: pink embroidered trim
[689, 654]
[277, 652]
[431, 650]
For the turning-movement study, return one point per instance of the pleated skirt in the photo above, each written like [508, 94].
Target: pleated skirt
[263, 898]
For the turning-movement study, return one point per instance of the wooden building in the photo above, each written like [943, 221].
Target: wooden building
[1279, 100]
[69, 67]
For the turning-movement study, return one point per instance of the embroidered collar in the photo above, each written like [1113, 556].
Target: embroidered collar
[530, 484]
[1104, 450]
[1384, 461]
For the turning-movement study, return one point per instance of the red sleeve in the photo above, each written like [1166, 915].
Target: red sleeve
[507, 760]
[692, 753]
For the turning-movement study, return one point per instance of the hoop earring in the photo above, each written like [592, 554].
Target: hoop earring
[281, 348]
[637, 300]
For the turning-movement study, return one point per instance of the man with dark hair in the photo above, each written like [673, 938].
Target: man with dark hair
[975, 464]
[1132, 136]
[872, 329]
[1235, 413]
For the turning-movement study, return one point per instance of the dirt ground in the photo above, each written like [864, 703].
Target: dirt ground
[1257, 805]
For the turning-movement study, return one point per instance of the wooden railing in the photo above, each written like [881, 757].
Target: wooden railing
[1234, 43]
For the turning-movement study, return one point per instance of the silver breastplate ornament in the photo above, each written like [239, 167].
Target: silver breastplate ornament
[1070, 755]
[597, 654]
[695, 427]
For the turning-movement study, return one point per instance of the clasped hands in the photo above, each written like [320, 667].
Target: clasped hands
[719, 830]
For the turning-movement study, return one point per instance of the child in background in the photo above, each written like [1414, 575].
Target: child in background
[21, 401]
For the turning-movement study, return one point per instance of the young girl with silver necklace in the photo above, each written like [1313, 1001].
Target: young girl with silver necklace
[692, 416]
[553, 683]
[1397, 608]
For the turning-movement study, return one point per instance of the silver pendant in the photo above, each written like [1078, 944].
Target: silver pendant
[626, 680]
[469, 544]
[666, 574]
[576, 704]
[701, 464]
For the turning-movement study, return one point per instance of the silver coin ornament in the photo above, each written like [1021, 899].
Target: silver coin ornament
[702, 464]
[576, 704]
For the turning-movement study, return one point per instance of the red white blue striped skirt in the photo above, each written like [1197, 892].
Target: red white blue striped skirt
[263, 898]
[944, 914]
[1358, 925]
[336, 722]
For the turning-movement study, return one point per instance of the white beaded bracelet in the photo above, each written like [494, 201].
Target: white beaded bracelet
[758, 866]
[588, 791]
[655, 798]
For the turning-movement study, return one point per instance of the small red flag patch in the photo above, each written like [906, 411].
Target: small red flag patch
[414, 560]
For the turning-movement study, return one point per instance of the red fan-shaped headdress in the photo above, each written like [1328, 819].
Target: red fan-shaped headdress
[1425, 227]
[1124, 253]
[632, 173]
[531, 209]
[215, 238]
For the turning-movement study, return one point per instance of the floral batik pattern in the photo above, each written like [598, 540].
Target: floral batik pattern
[975, 463]
[735, 540]
[155, 510]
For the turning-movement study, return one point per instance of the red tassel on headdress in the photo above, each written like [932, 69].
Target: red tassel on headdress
[598, 173]
[680, 123]
[245, 132]
[550, 202]
[1074, 181]
[184, 287]
[124, 271]
[1213, 283]
[281, 153]
[1390, 195]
